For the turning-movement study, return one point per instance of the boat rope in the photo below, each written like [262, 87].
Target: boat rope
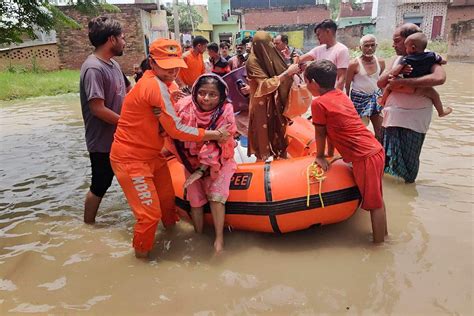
[314, 174]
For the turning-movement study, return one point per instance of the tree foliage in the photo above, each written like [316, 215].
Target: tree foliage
[334, 7]
[186, 13]
[20, 18]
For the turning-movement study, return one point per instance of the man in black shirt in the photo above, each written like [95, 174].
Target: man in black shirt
[220, 66]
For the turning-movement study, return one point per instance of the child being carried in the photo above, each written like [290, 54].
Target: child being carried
[421, 63]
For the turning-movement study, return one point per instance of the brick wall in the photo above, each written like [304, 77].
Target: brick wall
[461, 2]
[254, 19]
[74, 45]
[460, 30]
[44, 57]
[428, 11]
[351, 35]
[362, 9]
[457, 14]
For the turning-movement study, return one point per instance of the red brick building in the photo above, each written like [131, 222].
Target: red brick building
[136, 21]
[295, 18]
[254, 19]
[348, 10]
[354, 21]
[460, 30]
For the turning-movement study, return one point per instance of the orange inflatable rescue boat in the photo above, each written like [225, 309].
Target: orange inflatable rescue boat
[284, 195]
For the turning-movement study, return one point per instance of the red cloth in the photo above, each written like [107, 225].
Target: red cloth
[344, 127]
[368, 175]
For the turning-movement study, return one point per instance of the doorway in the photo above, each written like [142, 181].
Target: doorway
[436, 30]
[418, 20]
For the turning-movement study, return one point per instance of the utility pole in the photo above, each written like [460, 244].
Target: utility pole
[191, 16]
[176, 20]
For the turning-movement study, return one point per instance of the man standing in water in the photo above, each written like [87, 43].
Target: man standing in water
[407, 117]
[102, 90]
[362, 74]
[329, 49]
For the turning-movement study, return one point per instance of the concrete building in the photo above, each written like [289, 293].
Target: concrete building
[385, 18]
[225, 25]
[430, 15]
[205, 28]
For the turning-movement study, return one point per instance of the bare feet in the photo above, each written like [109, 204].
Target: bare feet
[91, 205]
[141, 255]
[378, 219]
[219, 245]
[197, 215]
[446, 111]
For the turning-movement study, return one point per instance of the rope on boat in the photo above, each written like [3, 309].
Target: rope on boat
[314, 174]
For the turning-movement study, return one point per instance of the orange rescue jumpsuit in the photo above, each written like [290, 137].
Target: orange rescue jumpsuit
[136, 157]
[195, 68]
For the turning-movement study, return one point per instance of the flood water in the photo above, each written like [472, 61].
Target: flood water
[51, 263]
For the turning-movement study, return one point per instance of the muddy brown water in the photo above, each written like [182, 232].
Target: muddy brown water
[51, 263]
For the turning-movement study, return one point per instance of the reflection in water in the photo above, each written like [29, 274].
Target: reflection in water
[7, 285]
[55, 285]
[31, 308]
[51, 263]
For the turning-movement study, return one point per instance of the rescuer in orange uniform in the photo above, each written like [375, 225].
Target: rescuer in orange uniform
[136, 157]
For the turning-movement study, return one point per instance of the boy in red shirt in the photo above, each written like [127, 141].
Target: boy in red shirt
[335, 117]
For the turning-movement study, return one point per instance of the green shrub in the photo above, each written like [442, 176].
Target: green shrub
[18, 83]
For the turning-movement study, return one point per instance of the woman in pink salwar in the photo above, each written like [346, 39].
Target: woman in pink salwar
[209, 165]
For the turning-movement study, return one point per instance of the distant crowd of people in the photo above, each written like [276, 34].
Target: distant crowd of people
[180, 102]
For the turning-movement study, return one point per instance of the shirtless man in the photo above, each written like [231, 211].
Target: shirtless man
[362, 74]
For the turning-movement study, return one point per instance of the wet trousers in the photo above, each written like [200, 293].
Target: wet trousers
[149, 191]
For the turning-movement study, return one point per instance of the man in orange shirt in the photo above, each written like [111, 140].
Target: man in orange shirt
[136, 157]
[195, 62]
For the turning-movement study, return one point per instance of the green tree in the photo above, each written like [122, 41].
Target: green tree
[186, 14]
[334, 7]
[20, 18]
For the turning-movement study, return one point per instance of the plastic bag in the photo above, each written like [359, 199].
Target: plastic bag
[299, 99]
